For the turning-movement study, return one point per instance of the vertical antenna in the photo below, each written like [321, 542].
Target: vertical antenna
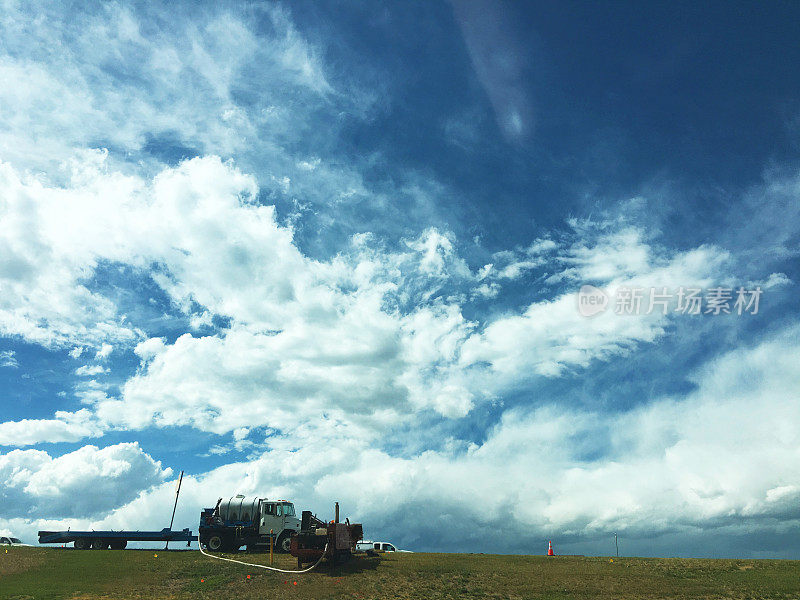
[177, 493]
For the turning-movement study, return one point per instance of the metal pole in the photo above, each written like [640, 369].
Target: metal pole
[172, 520]
[616, 544]
[271, 536]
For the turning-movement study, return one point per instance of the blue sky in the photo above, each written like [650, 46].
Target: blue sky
[333, 252]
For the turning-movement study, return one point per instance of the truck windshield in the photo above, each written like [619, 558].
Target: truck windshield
[19, 541]
[288, 509]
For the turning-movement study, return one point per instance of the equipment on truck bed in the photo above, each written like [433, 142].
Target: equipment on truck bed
[316, 538]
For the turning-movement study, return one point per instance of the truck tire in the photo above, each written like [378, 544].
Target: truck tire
[119, 544]
[100, 544]
[82, 544]
[215, 543]
[285, 542]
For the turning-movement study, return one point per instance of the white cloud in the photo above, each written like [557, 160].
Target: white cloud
[149, 348]
[66, 427]
[777, 280]
[362, 337]
[104, 352]
[551, 336]
[66, 91]
[725, 454]
[434, 248]
[43, 262]
[90, 370]
[8, 359]
[83, 483]
[511, 264]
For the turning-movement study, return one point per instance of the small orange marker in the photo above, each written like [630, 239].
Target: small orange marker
[248, 576]
[295, 583]
[155, 555]
[202, 581]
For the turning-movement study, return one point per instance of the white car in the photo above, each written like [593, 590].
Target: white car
[11, 541]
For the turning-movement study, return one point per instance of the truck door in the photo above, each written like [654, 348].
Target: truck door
[271, 518]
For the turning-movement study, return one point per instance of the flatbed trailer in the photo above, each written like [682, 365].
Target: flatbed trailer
[117, 540]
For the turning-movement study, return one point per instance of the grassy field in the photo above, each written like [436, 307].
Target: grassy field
[65, 573]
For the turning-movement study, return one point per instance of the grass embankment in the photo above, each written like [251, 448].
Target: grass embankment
[64, 573]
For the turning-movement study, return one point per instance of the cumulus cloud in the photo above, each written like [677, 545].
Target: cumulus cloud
[87, 482]
[149, 348]
[367, 336]
[65, 427]
[104, 352]
[537, 473]
[340, 352]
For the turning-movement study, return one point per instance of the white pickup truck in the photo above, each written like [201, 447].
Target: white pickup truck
[378, 547]
[11, 541]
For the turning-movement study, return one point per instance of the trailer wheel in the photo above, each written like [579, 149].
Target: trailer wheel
[119, 544]
[82, 544]
[215, 543]
[100, 544]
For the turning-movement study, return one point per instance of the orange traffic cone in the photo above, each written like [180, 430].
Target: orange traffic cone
[550, 549]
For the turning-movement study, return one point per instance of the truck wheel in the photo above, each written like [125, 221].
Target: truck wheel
[214, 543]
[119, 544]
[99, 544]
[285, 541]
[82, 544]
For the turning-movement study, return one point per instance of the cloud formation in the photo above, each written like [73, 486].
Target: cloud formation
[83, 483]
[155, 249]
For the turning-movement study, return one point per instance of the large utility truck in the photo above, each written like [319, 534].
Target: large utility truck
[239, 521]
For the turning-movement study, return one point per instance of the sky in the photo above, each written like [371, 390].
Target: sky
[338, 252]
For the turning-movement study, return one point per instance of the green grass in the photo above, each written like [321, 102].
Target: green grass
[55, 573]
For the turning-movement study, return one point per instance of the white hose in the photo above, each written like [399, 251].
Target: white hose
[241, 562]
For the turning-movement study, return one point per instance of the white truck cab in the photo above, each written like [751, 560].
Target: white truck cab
[277, 515]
